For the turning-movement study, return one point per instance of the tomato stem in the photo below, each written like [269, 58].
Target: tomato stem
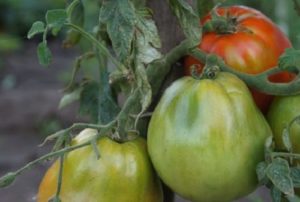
[258, 81]
[60, 174]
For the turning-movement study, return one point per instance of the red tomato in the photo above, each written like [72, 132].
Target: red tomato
[253, 47]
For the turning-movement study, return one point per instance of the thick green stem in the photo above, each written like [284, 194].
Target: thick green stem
[258, 81]
[158, 70]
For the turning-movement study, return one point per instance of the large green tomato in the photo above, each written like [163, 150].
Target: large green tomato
[123, 173]
[206, 137]
[282, 111]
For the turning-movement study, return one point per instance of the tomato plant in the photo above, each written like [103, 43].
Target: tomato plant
[123, 172]
[204, 136]
[249, 42]
[200, 126]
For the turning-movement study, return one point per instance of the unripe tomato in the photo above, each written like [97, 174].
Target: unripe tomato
[123, 173]
[282, 111]
[206, 137]
[252, 47]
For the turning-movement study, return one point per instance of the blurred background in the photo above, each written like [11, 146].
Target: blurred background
[30, 93]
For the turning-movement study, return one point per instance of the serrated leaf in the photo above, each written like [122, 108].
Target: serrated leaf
[69, 98]
[36, 28]
[295, 175]
[120, 19]
[7, 179]
[286, 139]
[290, 59]
[188, 19]
[261, 172]
[44, 54]
[55, 19]
[279, 173]
[275, 194]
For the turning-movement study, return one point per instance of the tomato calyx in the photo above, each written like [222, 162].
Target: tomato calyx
[225, 24]
[209, 71]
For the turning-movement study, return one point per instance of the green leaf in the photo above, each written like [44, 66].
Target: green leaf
[36, 28]
[144, 87]
[188, 19]
[261, 172]
[107, 106]
[69, 98]
[275, 194]
[295, 175]
[89, 100]
[290, 59]
[7, 179]
[101, 108]
[279, 173]
[139, 3]
[55, 19]
[120, 19]
[148, 41]
[44, 54]
[286, 139]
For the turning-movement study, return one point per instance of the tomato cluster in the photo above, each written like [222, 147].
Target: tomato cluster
[204, 137]
[252, 46]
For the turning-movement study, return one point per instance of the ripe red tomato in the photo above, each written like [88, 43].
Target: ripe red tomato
[252, 47]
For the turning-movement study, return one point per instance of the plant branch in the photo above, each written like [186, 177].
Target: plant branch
[50, 155]
[98, 44]
[258, 81]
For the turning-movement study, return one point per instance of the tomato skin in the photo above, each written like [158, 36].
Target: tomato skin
[123, 173]
[253, 48]
[282, 111]
[206, 137]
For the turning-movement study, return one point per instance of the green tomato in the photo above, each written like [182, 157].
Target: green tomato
[206, 137]
[123, 173]
[282, 111]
